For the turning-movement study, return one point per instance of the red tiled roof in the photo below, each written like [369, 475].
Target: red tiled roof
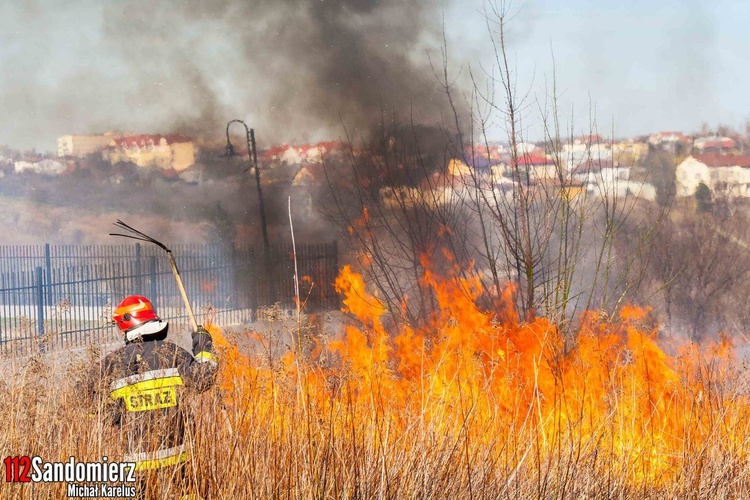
[534, 158]
[482, 149]
[720, 160]
[724, 143]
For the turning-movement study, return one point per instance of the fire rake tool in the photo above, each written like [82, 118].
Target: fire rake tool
[137, 235]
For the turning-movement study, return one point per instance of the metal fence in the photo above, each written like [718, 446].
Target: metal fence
[60, 296]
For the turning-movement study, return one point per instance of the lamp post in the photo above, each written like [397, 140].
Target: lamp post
[253, 157]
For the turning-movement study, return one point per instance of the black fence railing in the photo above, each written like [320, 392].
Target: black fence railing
[58, 296]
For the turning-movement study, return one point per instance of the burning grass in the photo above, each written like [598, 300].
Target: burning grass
[467, 406]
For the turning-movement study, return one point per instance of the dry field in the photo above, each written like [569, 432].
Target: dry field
[468, 406]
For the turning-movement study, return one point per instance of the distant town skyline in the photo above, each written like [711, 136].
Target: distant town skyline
[644, 66]
[298, 72]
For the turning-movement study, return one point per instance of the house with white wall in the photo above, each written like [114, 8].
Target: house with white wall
[610, 179]
[667, 140]
[80, 145]
[583, 150]
[44, 166]
[725, 175]
[538, 165]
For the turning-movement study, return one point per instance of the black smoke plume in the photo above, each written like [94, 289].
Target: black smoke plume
[296, 70]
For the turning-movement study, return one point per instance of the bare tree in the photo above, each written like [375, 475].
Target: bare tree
[698, 266]
[397, 207]
[547, 229]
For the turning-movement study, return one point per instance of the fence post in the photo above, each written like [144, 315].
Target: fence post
[152, 266]
[138, 277]
[48, 263]
[260, 278]
[40, 300]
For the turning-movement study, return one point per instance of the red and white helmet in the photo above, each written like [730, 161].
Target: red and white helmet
[136, 317]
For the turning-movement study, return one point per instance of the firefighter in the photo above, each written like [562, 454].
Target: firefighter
[141, 386]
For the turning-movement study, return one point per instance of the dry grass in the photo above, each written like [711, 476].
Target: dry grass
[469, 408]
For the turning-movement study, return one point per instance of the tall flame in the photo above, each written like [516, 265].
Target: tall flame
[513, 392]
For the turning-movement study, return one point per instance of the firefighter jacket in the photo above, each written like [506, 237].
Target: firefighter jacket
[142, 384]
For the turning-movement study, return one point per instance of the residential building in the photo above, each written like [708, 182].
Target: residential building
[43, 166]
[628, 152]
[589, 148]
[611, 179]
[305, 153]
[667, 139]
[726, 175]
[167, 152]
[538, 165]
[715, 144]
[83, 145]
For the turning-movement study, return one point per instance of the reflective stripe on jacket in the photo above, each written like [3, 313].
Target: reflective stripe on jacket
[145, 383]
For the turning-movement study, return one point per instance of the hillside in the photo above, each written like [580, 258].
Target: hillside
[80, 207]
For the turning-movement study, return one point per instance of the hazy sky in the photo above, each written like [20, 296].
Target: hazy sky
[294, 69]
[644, 65]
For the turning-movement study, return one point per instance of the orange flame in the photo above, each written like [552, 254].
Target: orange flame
[506, 386]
